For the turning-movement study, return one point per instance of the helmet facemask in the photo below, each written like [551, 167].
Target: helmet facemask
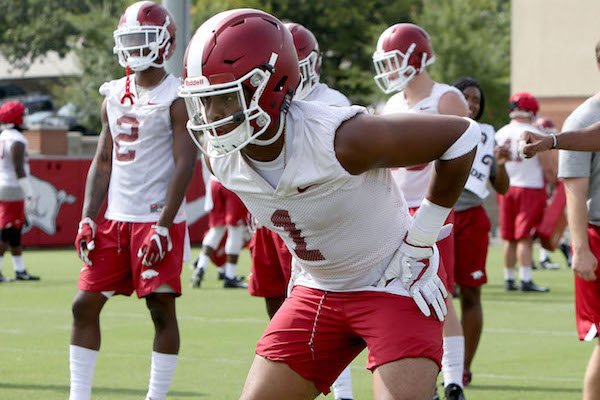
[310, 76]
[140, 46]
[393, 71]
[222, 119]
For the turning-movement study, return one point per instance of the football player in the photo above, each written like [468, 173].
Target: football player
[401, 59]
[144, 161]
[364, 274]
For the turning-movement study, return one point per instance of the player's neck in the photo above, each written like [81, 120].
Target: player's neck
[523, 120]
[418, 88]
[150, 77]
[269, 152]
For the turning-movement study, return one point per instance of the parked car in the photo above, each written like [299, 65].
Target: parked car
[10, 90]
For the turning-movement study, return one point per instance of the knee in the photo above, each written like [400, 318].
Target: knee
[160, 313]
[469, 298]
[84, 309]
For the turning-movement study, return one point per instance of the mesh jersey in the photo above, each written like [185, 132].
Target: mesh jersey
[414, 181]
[526, 173]
[323, 93]
[142, 158]
[341, 229]
[9, 182]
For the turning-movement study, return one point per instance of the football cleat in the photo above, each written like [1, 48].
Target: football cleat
[453, 392]
[4, 279]
[529, 286]
[548, 264]
[566, 250]
[197, 277]
[510, 286]
[234, 283]
[24, 276]
[221, 275]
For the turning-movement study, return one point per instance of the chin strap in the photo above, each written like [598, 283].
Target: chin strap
[128, 95]
[266, 142]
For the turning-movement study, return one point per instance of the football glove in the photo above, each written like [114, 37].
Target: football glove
[84, 242]
[156, 246]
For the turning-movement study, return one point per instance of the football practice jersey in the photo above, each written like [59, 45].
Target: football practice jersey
[9, 182]
[523, 172]
[414, 181]
[142, 158]
[323, 93]
[324, 214]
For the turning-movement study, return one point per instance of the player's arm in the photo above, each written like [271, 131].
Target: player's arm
[584, 139]
[452, 103]
[185, 155]
[17, 151]
[500, 180]
[98, 177]
[584, 262]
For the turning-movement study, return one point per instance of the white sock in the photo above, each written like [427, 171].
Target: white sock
[509, 273]
[230, 270]
[342, 387]
[525, 274]
[161, 375]
[82, 362]
[544, 254]
[203, 260]
[18, 263]
[453, 360]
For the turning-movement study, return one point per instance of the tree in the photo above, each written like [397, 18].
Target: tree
[471, 38]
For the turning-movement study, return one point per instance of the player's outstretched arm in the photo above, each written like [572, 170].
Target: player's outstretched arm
[585, 139]
[185, 155]
[98, 177]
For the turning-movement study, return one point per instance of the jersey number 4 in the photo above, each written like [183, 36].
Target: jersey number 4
[126, 124]
[282, 219]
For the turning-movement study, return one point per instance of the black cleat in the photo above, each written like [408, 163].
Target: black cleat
[235, 283]
[529, 286]
[566, 250]
[221, 276]
[197, 277]
[4, 279]
[24, 276]
[509, 285]
[453, 392]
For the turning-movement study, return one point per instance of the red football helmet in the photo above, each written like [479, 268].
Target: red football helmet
[239, 77]
[309, 57]
[546, 125]
[403, 50]
[12, 112]
[145, 36]
[522, 105]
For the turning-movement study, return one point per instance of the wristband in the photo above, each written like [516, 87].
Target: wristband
[427, 223]
[554, 141]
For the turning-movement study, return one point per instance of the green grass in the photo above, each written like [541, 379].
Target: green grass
[529, 348]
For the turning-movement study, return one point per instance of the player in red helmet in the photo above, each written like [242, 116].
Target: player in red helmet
[522, 206]
[16, 192]
[144, 161]
[364, 274]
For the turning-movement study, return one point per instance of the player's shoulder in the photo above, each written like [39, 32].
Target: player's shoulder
[316, 113]
[586, 114]
[396, 103]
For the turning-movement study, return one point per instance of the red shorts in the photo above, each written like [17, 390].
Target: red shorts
[521, 211]
[318, 333]
[271, 265]
[471, 239]
[587, 293]
[228, 209]
[12, 214]
[117, 267]
[446, 248]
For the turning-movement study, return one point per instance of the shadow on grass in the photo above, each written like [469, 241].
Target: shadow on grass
[513, 388]
[97, 390]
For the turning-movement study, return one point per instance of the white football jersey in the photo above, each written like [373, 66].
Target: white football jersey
[341, 229]
[482, 165]
[9, 183]
[414, 181]
[523, 172]
[142, 159]
[323, 93]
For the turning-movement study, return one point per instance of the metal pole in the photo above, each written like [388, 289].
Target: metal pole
[181, 10]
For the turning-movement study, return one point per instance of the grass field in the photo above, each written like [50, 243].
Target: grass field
[529, 349]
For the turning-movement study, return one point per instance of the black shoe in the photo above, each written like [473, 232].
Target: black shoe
[529, 286]
[235, 283]
[197, 277]
[509, 285]
[24, 276]
[221, 276]
[453, 392]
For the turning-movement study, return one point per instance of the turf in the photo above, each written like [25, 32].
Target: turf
[529, 349]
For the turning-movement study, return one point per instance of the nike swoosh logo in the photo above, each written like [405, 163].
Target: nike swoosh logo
[304, 189]
[424, 108]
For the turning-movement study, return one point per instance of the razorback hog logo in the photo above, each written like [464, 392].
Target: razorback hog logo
[41, 212]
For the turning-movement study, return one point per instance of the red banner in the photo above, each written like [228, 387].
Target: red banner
[59, 188]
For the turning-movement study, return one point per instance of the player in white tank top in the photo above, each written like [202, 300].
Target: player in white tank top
[334, 203]
[418, 93]
[144, 160]
[16, 193]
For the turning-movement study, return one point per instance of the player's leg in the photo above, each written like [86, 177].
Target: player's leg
[210, 242]
[342, 387]
[233, 246]
[3, 247]
[409, 378]
[510, 261]
[166, 344]
[591, 382]
[524, 257]
[472, 322]
[16, 250]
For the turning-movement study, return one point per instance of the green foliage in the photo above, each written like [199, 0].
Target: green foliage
[471, 38]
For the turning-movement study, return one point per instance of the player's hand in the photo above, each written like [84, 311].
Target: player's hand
[156, 246]
[532, 143]
[84, 242]
[584, 264]
[502, 154]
